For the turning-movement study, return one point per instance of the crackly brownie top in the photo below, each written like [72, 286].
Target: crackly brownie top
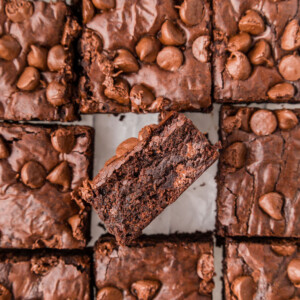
[155, 267]
[257, 50]
[262, 270]
[258, 179]
[36, 60]
[39, 167]
[145, 56]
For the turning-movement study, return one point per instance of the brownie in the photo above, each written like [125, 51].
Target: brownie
[266, 269]
[147, 174]
[155, 267]
[44, 276]
[39, 168]
[258, 176]
[256, 51]
[36, 58]
[145, 56]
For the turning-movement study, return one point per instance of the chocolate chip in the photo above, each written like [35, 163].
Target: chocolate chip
[145, 289]
[126, 62]
[5, 294]
[33, 174]
[261, 54]
[147, 49]
[235, 155]
[146, 131]
[75, 223]
[170, 58]
[271, 204]
[244, 113]
[29, 79]
[238, 66]
[205, 267]
[119, 91]
[240, 42]
[19, 10]
[56, 93]
[231, 123]
[289, 67]
[88, 11]
[9, 47]
[109, 293]
[244, 288]
[293, 271]
[61, 175]
[263, 122]
[126, 146]
[284, 250]
[252, 23]
[191, 12]
[141, 97]
[4, 152]
[290, 39]
[200, 48]
[37, 57]
[56, 58]
[171, 35]
[286, 119]
[104, 4]
[281, 91]
[63, 140]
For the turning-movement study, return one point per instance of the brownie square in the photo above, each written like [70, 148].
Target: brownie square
[145, 56]
[36, 60]
[39, 168]
[155, 267]
[264, 269]
[256, 51]
[258, 176]
[44, 276]
[147, 174]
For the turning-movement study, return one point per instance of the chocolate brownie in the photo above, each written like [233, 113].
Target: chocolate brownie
[155, 267]
[145, 56]
[256, 51]
[265, 269]
[39, 168]
[46, 276]
[36, 72]
[258, 179]
[147, 174]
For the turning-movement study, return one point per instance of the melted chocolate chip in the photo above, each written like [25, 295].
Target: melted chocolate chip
[19, 10]
[261, 54]
[37, 57]
[171, 35]
[170, 58]
[281, 91]
[29, 79]
[235, 155]
[191, 12]
[293, 271]
[33, 174]
[56, 58]
[263, 122]
[63, 140]
[88, 11]
[145, 289]
[126, 62]
[284, 250]
[286, 119]
[244, 288]
[61, 175]
[126, 146]
[289, 67]
[290, 39]
[56, 93]
[9, 47]
[238, 66]
[240, 42]
[147, 49]
[141, 97]
[119, 91]
[200, 48]
[252, 23]
[271, 204]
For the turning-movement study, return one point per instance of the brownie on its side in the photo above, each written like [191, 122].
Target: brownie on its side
[258, 177]
[265, 269]
[256, 51]
[36, 72]
[147, 174]
[145, 56]
[44, 276]
[155, 267]
[39, 168]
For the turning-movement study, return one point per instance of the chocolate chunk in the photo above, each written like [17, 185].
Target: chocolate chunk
[240, 42]
[235, 155]
[170, 58]
[63, 140]
[252, 23]
[286, 119]
[37, 57]
[205, 267]
[200, 48]
[145, 289]
[56, 93]
[191, 12]
[126, 146]
[263, 122]
[261, 54]
[33, 174]
[289, 67]
[19, 10]
[238, 66]
[244, 288]
[284, 250]
[171, 35]
[5, 294]
[147, 49]
[109, 293]
[104, 4]
[29, 79]
[88, 11]
[56, 58]
[61, 175]
[271, 204]
[281, 91]
[293, 271]
[231, 123]
[4, 152]
[119, 91]
[9, 47]
[290, 39]
[141, 97]
[126, 62]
